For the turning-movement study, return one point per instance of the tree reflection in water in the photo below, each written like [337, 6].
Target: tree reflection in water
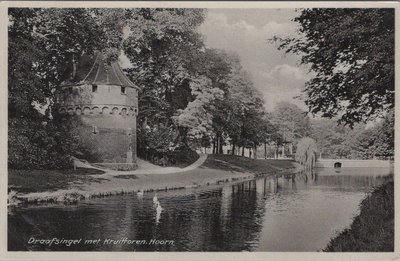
[228, 217]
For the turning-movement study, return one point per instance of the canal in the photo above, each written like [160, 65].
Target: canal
[280, 213]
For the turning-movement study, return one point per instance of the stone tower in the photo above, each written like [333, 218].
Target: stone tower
[105, 103]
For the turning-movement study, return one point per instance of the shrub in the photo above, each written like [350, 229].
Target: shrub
[39, 143]
[182, 156]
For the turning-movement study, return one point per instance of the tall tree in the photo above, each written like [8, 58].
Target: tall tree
[291, 121]
[163, 46]
[197, 117]
[218, 66]
[384, 137]
[351, 54]
[41, 43]
[246, 110]
[330, 137]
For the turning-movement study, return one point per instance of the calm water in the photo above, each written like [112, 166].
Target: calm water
[281, 213]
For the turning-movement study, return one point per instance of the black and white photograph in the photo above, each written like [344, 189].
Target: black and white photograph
[200, 128]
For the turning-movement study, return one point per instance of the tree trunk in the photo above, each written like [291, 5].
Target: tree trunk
[213, 149]
[233, 148]
[183, 137]
[243, 151]
[265, 150]
[144, 123]
[255, 151]
[219, 145]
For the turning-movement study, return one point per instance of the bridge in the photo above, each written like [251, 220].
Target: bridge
[347, 163]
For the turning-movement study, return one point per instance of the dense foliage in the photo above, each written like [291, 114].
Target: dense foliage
[292, 122]
[190, 96]
[351, 55]
[201, 95]
[41, 43]
[360, 142]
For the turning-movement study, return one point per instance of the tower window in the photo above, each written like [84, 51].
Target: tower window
[95, 130]
[123, 90]
[94, 88]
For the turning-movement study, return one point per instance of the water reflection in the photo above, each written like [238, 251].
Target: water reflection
[280, 213]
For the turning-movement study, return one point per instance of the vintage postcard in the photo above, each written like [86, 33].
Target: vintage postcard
[198, 130]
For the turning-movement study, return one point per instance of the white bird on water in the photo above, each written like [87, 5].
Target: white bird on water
[140, 194]
[155, 199]
[159, 208]
[158, 212]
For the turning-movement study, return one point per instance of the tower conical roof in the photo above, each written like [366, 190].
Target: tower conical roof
[93, 70]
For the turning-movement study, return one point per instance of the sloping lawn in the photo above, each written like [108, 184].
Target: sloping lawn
[238, 163]
[48, 180]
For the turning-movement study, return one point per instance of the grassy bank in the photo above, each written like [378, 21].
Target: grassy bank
[56, 186]
[238, 163]
[26, 181]
[373, 229]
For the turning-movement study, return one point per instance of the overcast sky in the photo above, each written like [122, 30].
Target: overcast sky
[245, 31]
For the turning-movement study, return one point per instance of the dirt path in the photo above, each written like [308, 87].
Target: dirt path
[151, 169]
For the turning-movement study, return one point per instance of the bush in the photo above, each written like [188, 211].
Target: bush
[182, 156]
[39, 143]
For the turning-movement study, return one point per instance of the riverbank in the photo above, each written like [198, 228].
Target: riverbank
[216, 169]
[373, 229]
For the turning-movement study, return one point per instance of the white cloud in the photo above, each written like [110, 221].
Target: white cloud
[285, 71]
[241, 35]
[279, 29]
[243, 25]
[275, 74]
[281, 83]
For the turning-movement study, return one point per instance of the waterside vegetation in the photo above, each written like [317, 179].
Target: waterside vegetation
[373, 229]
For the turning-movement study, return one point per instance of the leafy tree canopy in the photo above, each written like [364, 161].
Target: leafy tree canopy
[351, 53]
[292, 122]
[41, 43]
[360, 142]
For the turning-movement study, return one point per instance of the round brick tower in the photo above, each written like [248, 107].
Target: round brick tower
[105, 102]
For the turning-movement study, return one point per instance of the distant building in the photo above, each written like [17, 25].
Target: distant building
[105, 104]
